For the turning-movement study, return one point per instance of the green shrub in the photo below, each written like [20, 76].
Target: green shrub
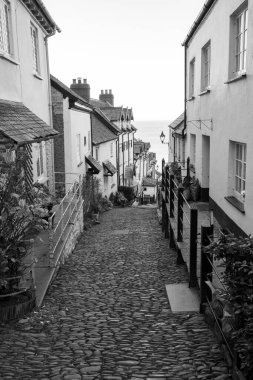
[128, 192]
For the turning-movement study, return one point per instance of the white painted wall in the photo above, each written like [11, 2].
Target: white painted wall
[108, 184]
[75, 122]
[18, 82]
[229, 106]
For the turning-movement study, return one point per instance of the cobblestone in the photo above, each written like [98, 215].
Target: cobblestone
[107, 315]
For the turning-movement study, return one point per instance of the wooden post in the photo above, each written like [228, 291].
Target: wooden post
[180, 214]
[205, 267]
[172, 195]
[163, 173]
[193, 248]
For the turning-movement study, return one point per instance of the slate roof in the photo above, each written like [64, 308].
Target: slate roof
[176, 123]
[100, 132]
[67, 92]
[113, 127]
[95, 165]
[110, 167]
[21, 125]
[99, 103]
[113, 113]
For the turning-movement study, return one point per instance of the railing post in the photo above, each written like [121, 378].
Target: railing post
[180, 213]
[205, 267]
[193, 248]
[163, 173]
[172, 195]
[51, 244]
[166, 216]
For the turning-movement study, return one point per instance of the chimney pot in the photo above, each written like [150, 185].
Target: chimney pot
[84, 81]
[79, 80]
[74, 81]
[102, 92]
[106, 91]
[110, 91]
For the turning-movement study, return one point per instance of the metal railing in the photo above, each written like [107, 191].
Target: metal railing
[176, 207]
[62, 218]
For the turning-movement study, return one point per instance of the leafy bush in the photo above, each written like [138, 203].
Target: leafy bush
[120, 200]
[128, 192]
[21, 217]
[237, 257]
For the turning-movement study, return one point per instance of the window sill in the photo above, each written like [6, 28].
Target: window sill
[236, 78]
[204, 92]
[8, 58]
[36, 75]
[80, 164]
[236, 203]
[191, 98]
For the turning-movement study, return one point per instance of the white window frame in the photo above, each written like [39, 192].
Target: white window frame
[78, 148]
[97, 154]
[191, 78]
[240, 163]
[205, 66]
[241, 31]
[5, 28]
[40, 161]
[35, 49]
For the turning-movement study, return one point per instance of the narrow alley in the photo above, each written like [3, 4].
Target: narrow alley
[107, 314]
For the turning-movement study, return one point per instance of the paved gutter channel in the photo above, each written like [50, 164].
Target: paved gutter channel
[107, 315]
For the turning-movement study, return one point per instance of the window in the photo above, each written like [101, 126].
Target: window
[193, 149]
[35, 49]
[205, 67]
[84, 141]
[4, 27]
[40, 165]
[89, 140]
[111, 150]
[241, 41]
[191, 78]
[240, 168]
[97, 154]
[78, 148]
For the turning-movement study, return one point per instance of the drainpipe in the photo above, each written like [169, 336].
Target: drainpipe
[185, 90]
[118, 159]
[50, 110]
[123, 151]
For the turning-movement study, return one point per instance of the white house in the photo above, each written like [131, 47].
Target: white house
[104, 143]
[25, 96]
[72, 119]
[219, 109]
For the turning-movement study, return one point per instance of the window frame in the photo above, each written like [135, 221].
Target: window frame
[78, 148]
[240, 169]
[206, 66]
[191, 78]
[35, 49]
[111, 149]
[5, 35]
[240, 40]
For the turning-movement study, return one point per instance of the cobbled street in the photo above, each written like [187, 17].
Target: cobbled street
[107, 314]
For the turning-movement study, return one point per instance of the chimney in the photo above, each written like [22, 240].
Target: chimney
[82, 89]
[107, 96]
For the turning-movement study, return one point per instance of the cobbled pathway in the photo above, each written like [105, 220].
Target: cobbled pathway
[107, 315]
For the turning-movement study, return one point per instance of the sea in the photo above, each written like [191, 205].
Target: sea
[150, 131]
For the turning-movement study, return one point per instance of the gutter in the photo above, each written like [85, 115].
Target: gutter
[45, 11]
[208, 4]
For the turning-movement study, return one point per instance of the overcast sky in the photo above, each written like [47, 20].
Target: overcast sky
[130, 46]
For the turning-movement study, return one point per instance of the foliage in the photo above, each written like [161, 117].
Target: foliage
[19, 221]
[128, 192]
[120, 200]
[237, 257]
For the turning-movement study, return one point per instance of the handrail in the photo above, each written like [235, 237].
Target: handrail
[215, 271]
